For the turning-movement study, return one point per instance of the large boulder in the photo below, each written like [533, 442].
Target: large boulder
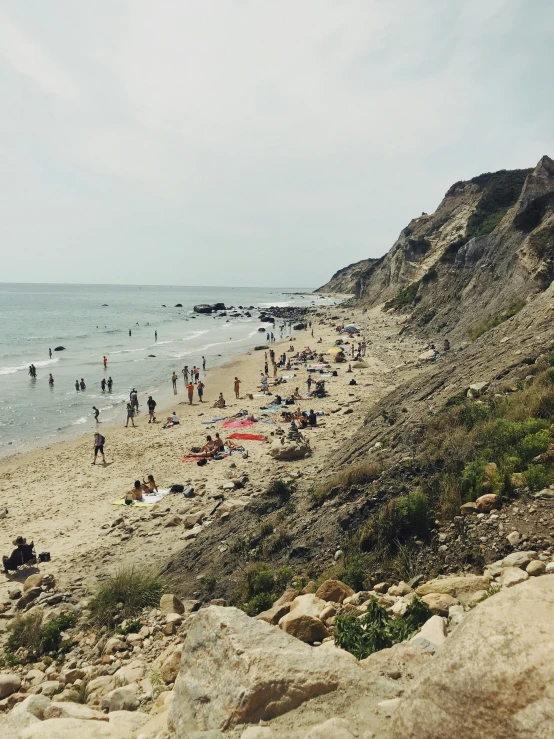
[9, 683]
[235, 669]
[71, 728]
[493, 676]
[460, 587]
[287, 449]
[334, 590]
[303, 620]
[63, 709]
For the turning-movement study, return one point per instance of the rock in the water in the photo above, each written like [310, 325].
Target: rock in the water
[236, 669]
[59, 349]
[513, 576]
[9, 683]
[493, 686]
[460, 587]
[334, 590]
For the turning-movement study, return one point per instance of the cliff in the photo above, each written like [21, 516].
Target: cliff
[487, 248]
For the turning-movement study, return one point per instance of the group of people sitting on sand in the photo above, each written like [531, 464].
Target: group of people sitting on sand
[301, 418]
[213, 447]
[139, 489]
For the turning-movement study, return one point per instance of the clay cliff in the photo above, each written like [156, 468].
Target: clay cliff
[487, 248]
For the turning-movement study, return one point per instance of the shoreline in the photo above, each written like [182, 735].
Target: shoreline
[57, 498]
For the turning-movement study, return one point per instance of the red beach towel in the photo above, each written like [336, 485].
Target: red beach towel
[237, 424]
[250, 437]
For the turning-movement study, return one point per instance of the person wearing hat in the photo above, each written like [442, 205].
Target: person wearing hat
[18, 556]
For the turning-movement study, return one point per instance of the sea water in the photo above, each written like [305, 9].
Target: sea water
[93, 321]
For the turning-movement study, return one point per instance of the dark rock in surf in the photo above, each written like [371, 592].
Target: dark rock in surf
[260, 348]
[151, 355]
[59, 349]
[178, 305]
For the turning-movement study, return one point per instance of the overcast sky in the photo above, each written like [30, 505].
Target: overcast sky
[252, 142]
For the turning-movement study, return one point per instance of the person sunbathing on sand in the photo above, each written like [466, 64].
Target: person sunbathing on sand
[219, 443]
[208, 450]
[135, 493]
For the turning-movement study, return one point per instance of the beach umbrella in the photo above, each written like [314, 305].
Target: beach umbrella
[335, 350]
[351, 326]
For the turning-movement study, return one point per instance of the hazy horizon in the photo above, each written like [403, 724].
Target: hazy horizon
[247, 144]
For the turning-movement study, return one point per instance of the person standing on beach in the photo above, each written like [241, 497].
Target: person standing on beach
[190, 391]
[99, 442]
[185, 372]
[50, 353]
[134, 400]
[265, 368]
[151, 403]
[204, 363]
[174, 380]
[129, 332]
[196, 375]
[105, 362]
[96, 413]
[110, 383]
[237, 387]
[103, 385]
[200, 390]
[130, 415]
[155, 335]
[309, 381]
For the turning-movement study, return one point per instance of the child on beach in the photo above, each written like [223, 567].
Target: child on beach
[149, 486]
[130, 415]
[190, 391]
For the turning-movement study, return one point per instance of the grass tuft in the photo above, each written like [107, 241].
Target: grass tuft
[123, 596]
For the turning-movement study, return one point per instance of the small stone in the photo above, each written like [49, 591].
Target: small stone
[169, 603]
[439, 603]
[514, 538]
[535, 568]
[550, 568]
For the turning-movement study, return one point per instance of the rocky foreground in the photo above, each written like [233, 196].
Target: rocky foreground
[480, 666]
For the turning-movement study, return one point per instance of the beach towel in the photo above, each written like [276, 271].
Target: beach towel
[213, 420]
[251, 437]
[149, 499]
[237, 424]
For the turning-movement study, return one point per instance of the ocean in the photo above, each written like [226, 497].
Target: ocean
[91, 321]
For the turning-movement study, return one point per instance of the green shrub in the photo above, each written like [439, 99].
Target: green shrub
[131, 626]
[30, 636]
[537, 477]
[501, 193]
[354, 573]
[376, 630]
[257, 604]
[494, 321]
[542, 241]
[281, 489]
[124, 595]
[404, 298]
[400, 518]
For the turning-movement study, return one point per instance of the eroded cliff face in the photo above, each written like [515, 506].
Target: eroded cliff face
[487, 249]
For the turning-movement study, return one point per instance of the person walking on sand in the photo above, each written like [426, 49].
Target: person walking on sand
[96, 413]
[110, 383]
[105, 360]
[151, 403]
[309, 381]
[204, 363]
[130, 415]
[50, 353]
[200, 390]
[99, 442]
[190, 391]
[237, 388]
[174, 380]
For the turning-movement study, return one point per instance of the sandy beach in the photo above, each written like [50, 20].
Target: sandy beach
[57, 498]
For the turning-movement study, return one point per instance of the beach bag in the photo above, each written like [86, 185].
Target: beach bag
[195, 449]
[188, 492]
[176, 488]
[202, 462]
[44, 557]
[102, 440]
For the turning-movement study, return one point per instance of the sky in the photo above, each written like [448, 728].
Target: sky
[252, 142]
